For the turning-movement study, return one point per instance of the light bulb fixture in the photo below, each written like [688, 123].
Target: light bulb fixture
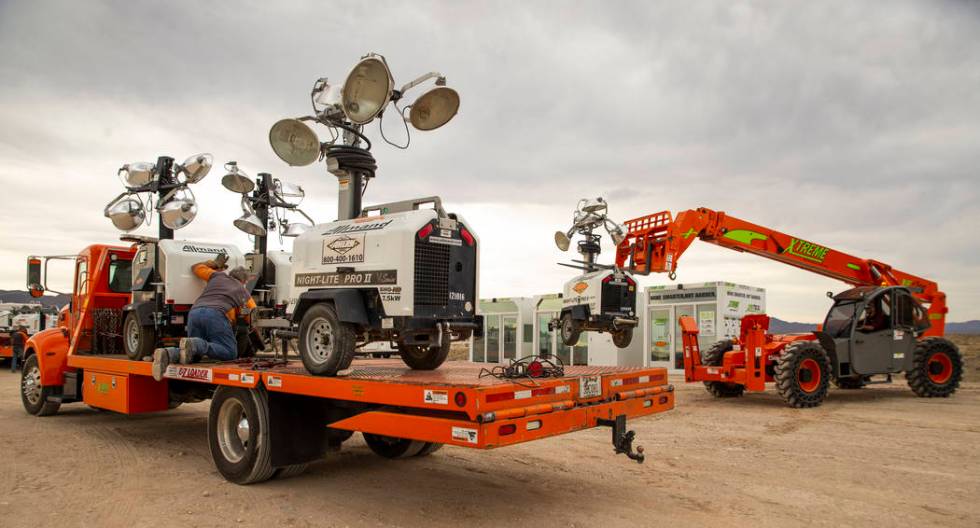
[249, 222]
[178, 211]
[367, 90]
[562, 240]
[138, 174]
[294, 142]
[196, 167]
[125, 212]
[295, 230]
[288, 193]
[235, 180]
[434, 108]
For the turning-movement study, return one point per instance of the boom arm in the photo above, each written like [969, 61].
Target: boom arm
[654, 243]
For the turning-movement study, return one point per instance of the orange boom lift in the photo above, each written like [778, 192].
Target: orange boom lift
[889, 321]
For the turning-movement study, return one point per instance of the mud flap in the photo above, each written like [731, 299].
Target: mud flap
[622, 439]
[297, 429]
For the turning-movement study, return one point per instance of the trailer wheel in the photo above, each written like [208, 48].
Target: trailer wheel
[426, 357]
[803, 374]
[429, 448]
[326, 345]
[622, 338]
[238, 435]
[139, 341]
[33, 395]
[937, 367]
[570, 330]
[393, 447]
[713, 357]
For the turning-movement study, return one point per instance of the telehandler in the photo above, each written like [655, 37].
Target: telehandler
[888, 322]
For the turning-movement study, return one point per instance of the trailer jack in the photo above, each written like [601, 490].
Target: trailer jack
[622, 439]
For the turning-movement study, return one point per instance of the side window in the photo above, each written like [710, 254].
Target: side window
[903, 310]
[81, 277]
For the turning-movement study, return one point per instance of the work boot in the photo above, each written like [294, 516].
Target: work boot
[163, 358]
[187, 345]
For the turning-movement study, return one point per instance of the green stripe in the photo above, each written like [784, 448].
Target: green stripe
[854, 267]
[745, 236]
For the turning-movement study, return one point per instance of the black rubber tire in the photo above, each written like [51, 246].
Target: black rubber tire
[850, 383]
[290, 471]
[429, 448]
[788, 380]
[255, 464]
[146, 339]
[622, 338]
[343, 340]
[392, 447]
[426, 357]
[713, 357]
[569, 330]
[41, 407]
[918, 378]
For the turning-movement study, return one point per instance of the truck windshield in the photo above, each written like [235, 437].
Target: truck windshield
[120, 276]
[838, 323]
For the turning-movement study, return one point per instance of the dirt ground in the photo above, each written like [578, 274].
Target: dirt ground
[877, 456]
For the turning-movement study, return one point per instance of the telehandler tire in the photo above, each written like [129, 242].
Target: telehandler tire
[713, 358]
[139, 341]
[394, 447]
[238, 434]
[33, 395]
[803, 374]
[937, 368]
[326, 345]
[420, 357]
[622, 338]
[570, 330]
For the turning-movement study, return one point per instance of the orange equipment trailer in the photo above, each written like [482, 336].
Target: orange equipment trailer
[269, 417]
[888, 322]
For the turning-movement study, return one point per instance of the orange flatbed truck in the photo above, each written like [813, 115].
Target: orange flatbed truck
[269, 417]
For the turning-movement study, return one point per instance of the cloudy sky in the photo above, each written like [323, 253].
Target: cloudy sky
[852, 124]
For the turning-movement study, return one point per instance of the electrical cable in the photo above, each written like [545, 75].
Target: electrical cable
[530, 367]
[352, 159]
[408, 133]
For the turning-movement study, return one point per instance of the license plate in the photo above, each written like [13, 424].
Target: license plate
[589, 387]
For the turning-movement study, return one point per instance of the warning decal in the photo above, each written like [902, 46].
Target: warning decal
[437, 397]
[465, 435]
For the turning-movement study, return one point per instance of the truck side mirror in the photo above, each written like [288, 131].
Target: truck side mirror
[36, 290]
[34, 282]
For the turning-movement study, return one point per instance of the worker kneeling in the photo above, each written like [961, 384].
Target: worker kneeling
[210, 322]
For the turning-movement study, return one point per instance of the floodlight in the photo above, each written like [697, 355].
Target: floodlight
[251, 224]
[178, 212]
[367, 89]
[126, 213]
[434, 108]
[295, 230]
[196, 167]
[593, 206]
[288, 193]
[294, 142]
[138, 174]
[562, 240]
[236, 180]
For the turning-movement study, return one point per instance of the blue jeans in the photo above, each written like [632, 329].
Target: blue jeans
[211, 335]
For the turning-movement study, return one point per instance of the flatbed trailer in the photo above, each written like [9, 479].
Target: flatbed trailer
[269, 417]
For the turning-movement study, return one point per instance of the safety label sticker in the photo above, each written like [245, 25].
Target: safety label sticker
[343, 249]
[437, 397]
[188, 373]
[273, 381]
[465, 435]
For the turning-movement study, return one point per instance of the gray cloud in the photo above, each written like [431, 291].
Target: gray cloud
[853, 124]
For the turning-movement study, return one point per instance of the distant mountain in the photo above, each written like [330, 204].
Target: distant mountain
[20, 296]
[968, 327]
[778, 326]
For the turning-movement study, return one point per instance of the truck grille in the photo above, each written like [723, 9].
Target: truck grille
[431, 274]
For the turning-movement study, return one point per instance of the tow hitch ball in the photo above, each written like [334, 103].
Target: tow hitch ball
[622, 439]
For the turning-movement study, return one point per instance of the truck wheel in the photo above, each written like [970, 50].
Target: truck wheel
[33, 395]
[393, 447]
[138, 340]
[290, 471]
[426, 357]
[570, 330]
[622, 338]
[326, 345]
[713, 357]
[937, 367]
[803, 374]
[238, 435]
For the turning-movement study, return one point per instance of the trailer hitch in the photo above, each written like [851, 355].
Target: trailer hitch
[622, 439]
